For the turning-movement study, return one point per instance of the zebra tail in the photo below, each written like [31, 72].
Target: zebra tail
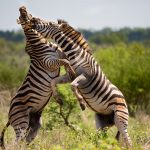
[2, 145]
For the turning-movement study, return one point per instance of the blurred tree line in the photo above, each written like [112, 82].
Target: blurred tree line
[12, 36]
[107, 36]
[124, 56]
[104, 36]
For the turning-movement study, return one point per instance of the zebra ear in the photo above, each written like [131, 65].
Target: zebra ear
[61, 21]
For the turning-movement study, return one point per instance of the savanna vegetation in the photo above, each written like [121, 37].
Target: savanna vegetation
[124, 56]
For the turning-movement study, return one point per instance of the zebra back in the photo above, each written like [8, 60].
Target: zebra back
[75, 35]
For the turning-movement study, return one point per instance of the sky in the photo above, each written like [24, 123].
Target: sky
[85, 14]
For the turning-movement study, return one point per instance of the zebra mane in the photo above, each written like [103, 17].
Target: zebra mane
[64, 25]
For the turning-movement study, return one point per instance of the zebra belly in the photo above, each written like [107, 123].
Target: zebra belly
[99, 103]
[39, 103]
[97, 107]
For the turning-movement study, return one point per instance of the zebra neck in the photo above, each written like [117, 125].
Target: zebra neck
[63, 41]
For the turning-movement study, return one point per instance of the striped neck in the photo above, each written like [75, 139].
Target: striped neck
[57, 34]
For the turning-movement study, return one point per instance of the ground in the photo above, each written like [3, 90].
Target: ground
[85, 137]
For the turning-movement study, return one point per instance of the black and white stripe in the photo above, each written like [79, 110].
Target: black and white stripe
[91, 83]
[27, 105]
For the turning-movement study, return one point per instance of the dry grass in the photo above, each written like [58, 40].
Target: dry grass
[63, 138]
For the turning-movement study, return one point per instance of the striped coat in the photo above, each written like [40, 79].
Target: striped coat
[91, 84]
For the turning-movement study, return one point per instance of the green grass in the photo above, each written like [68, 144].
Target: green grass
[85, 137]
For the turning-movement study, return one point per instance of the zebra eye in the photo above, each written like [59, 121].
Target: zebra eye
[64, 25]
[33, 21]
[50, 23]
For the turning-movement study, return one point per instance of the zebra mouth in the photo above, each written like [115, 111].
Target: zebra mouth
[24, 15]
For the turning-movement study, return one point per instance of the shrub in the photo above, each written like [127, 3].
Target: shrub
[128, 68]
[10, 75]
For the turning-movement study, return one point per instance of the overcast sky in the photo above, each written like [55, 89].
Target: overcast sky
[88, 14]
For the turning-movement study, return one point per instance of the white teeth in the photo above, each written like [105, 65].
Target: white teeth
[18, 21]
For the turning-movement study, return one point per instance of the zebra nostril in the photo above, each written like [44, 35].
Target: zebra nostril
[18, 21]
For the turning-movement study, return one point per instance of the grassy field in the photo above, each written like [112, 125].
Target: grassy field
[124, 56]
[61, 137]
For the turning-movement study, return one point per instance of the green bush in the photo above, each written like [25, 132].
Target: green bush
[61, 114]
[128, 67]
[11, 76]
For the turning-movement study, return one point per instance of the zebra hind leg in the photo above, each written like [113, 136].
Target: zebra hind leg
[2, 145]
[121, 123]
[21, 125]
[79, 97]
[102, 121]
[117, 136]
[21, 133]
[34, 126]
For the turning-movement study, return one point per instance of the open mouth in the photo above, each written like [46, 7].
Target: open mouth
[24, 15]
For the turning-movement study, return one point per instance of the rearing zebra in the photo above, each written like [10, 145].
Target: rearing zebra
[27, 105]
[91, 84]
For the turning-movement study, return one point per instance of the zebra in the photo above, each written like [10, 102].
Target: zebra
[27, 105]
[91, 84]
[75, 36]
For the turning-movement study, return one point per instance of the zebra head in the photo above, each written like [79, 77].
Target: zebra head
[58, 30]
[24, 18]
[48, 28]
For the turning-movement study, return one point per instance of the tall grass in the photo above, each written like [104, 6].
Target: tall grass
[127, 66]
[85, 137]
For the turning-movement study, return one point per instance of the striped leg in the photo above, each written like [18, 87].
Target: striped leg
[66, 63]
[34, 126]
[103, 121]
[2, 145]
[74, 85]
[121, 122]
[61, 79]
[20, 122]
[21, 129]
[64, 79]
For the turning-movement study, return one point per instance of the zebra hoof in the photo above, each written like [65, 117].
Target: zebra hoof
[82, 106]
[117, 136]
[2, 143]
[60, 101]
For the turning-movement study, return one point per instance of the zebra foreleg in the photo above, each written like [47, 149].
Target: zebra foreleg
[64, 79]
[75, 85]
[61, 79]
[79, 97]
[66, 64]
